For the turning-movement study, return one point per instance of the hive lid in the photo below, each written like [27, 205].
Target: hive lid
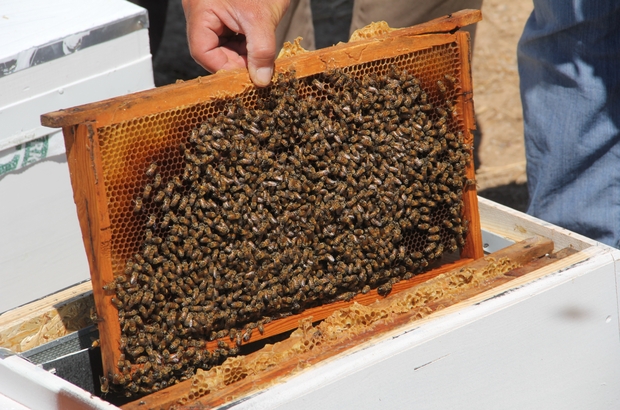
[34, 32]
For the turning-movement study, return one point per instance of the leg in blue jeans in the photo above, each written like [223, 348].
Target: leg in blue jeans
[569, 66]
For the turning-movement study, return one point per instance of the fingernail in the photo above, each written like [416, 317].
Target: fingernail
[263, 76]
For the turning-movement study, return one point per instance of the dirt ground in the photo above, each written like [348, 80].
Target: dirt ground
[501, 172]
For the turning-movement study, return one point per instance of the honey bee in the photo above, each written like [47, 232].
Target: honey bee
[137, 205]
[430, 247]
[451, 108]
[151, 221]
[150, 171]
[442, 131]
[470, 182]
[123, 343]
[146, 193]
[247, 334]
[135, 351]
[441, 87]
[175, 200]
[117, 303]
[165, 221]
[450, 78]
[166, 204]
[169, 189]
[109, 286]
[385, 289]
[159, 196]
[104, 385]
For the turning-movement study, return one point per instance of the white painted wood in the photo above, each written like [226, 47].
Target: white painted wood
[517, 226]
[9, 404]
[116, 67]
[41, 248]
[616, 257]
[35, 388]
[552, 343]
[30, 23]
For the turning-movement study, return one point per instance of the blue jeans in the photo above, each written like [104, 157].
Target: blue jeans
[569, 66]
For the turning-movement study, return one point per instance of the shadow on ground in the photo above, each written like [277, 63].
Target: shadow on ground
[512, 195]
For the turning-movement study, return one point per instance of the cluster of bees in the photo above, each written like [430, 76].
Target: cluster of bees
[328, 187]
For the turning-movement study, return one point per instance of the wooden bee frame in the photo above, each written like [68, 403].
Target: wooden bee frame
[110, 143]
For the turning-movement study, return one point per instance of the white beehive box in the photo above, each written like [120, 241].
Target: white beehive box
[545, 340]
[54, 55]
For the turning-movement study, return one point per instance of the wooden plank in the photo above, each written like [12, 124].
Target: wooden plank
[520, 253]
[542, 262]
[321, 312]
[537, 264]
[204, 89]
[47, 319]
[91, 203]
[473, 246]
[448, 23]
[517, 226]
[228, 83]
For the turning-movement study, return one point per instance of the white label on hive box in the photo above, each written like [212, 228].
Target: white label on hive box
[30, 152]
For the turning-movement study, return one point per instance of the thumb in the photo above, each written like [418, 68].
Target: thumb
[260, 64]
[261, 45]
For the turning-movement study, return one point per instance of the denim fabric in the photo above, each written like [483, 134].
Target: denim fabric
[569, 66]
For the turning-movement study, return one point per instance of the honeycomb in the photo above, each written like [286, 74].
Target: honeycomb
[292, 49]
[373, 30]
[128, 148]
[172, 302]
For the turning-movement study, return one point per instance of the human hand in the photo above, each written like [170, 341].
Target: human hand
[229, 34]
